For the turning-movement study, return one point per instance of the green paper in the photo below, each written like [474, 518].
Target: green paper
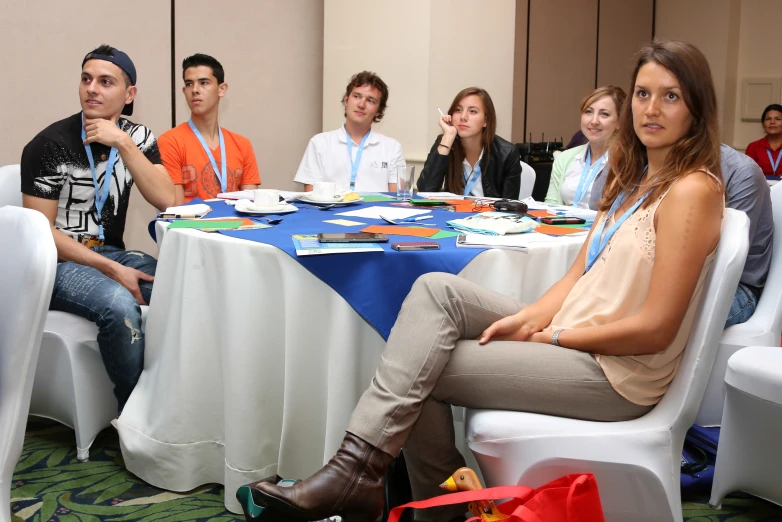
[444, 233]
[377, 198]
[428, 202]
[582, 226]
[211, 224]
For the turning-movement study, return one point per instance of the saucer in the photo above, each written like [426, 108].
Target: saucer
[336, 202]
[245, 207]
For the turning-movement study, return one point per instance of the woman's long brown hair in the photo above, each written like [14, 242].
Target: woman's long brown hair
[454, 177]
[698, 149]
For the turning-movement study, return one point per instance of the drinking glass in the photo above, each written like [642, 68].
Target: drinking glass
[404, 182]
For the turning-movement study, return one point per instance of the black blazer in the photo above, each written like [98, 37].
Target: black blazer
[500, 171]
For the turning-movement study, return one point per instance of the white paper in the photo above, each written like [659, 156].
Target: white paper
[535, 205]
[239, 194]
[389, 212]
[513, 241]
[583, 213]
[439, 195]
[191, 210]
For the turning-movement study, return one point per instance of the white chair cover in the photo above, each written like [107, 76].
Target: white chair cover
[637, 462]
[27, 269]
[749, 452]
[527, 182]
[763, 328]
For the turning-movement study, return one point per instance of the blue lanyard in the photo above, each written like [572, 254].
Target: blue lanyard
[222, 174]
[588, 176]
[473, 180]
[599, 241]
[354, 164]
[101, 191]
[774, 164]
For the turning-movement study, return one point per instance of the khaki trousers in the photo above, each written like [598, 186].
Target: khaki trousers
[431, 363]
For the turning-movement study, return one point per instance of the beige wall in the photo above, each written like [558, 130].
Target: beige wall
[396, 47]
[471, 46]
[625, 26]
[41, 84]
[562, 52]
[759, 56]
[272, 55]
[260, 43]
[426, 51]
[711, 26]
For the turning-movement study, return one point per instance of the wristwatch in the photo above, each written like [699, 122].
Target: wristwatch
[555, 337]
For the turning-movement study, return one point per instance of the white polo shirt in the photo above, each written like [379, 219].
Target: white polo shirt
[326, 159]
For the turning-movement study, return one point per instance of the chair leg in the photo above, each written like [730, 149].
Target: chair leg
[83, 454]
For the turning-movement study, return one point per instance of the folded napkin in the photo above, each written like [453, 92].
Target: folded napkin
[196, 210]
[494, 224]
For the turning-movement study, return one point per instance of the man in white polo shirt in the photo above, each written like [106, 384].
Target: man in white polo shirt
[354, 156]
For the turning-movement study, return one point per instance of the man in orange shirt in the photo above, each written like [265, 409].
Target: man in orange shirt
[193, 152]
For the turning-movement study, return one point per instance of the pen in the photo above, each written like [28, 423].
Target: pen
[177, 216]
[441, 112]
[412, 219]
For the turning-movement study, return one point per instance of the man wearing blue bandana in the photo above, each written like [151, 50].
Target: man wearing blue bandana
[79, 172]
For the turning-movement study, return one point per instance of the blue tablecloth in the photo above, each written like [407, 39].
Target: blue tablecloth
[373, 283]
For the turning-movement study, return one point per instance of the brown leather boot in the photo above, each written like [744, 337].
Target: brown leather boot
[350, 485]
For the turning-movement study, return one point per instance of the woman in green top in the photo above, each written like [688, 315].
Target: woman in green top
[575, 170]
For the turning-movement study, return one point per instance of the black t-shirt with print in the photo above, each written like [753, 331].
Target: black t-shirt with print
[55, 166]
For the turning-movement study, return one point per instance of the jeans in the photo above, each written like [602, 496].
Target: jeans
[743, 306]
[86, 292]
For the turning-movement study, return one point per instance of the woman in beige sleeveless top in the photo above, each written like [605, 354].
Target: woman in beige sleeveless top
[602, 344]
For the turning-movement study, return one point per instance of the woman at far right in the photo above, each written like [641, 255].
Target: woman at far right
[767, 151]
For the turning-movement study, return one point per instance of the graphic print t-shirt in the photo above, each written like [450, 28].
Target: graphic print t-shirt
[55, 166]
[188, 165]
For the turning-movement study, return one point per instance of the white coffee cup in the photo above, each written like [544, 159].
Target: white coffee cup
[324, 190]
[266, 198]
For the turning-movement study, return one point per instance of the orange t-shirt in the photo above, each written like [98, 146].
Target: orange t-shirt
[189, 166]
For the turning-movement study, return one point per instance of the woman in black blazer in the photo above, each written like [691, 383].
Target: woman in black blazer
[468, 157]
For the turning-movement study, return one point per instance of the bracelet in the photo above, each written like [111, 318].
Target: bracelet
[444, 145]
[555, 337]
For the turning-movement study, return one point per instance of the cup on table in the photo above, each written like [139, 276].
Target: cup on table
[324, 190]
[266, 198]
[405, 174]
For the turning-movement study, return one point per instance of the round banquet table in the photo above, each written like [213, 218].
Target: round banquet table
[253, 365]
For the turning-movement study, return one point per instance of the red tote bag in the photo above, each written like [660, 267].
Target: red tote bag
[572, 498]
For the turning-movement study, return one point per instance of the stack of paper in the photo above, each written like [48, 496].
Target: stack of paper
[494, 224]
[519, 242]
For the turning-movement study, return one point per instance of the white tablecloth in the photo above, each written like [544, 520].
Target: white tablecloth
[253, 365]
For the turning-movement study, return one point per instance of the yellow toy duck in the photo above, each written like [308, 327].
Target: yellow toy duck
[465, 479]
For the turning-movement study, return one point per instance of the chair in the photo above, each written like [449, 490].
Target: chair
[637, 462]
[10, 186]
[527, 181]
[749, 453]
[764, 328]
[26, 280]
[71, 384]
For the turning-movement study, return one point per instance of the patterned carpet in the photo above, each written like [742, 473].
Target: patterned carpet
[51, 485]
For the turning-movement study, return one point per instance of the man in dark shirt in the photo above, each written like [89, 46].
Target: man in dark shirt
[78, 172]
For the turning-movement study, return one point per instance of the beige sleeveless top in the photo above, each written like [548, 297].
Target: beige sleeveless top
[615, 288]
